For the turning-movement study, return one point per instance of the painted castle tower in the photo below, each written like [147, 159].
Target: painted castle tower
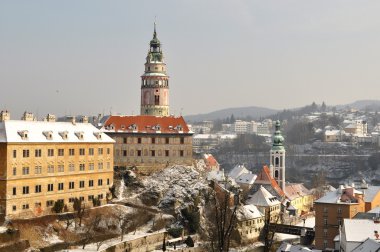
[277, 157]
[155, 82]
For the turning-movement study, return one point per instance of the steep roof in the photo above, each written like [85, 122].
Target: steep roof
[210, 160]
[369, 245]
[248, 212]
[237, 171]
[296, 190]
[246, 178]
[264, 177]
[262, 198]
[146, 124]
[20, 131]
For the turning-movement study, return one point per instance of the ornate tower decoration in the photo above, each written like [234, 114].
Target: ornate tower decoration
[277, 157]
[155, 81]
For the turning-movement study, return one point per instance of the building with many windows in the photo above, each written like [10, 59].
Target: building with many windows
[149, 142]
[45, 162]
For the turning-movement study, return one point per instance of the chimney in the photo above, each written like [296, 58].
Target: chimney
[4, 115]
[84, 119]
[50, 118]
[27, 116]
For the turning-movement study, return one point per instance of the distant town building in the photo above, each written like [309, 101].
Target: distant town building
[211, 162]
[45, 161]
[250, 222]
[300, 199]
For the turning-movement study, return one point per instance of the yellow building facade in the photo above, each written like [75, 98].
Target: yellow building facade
[45, 162]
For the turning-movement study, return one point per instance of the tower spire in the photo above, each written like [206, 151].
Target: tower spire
[155, 33]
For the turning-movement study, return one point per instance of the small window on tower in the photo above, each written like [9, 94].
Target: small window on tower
[157, 82]
[156, 100]
[148, 68]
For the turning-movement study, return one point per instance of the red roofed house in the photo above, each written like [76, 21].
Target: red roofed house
[149, 142]
[211, 163]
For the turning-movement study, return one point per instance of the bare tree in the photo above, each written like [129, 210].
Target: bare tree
[90, 229]
[123, 225]
[79, 208]
[221, 217]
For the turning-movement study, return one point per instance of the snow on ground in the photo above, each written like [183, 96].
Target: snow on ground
[178, 184]
[3, 229]
[52, 239]
[310, 222]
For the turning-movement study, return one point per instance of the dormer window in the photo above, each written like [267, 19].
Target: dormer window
[64, 134]
[157, 127]
[80, 135]
[48, 134]
[23, 134]
[123, 127]
[132, 127]
[179, 127]
[98, 135]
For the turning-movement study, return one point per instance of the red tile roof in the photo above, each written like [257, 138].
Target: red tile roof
[146, 124]
[265, 176]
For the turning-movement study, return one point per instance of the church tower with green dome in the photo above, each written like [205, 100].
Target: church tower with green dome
[155, 81]
[277, 157]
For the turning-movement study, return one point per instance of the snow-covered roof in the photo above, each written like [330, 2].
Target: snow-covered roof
[237, 171]
[296, 190]
[246, 178]
[374, 210]
[216, 175]
[369, 245]
[263, 198]
[358, 230]
[248, 212]
[20, 131]
[370, 193]
[286, 247]
[154, 74]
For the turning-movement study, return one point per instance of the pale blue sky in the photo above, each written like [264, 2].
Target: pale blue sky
[86, 57]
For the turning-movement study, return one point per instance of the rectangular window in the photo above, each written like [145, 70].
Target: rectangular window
[25, 190]
[71, 185]
[14, 191]
[108, 151]
[325, 221]
[50, 152]
[25, 170]
[50, 169]
[37, 153]
[81, 184]
[139, 153]
[167, 140]
[91, 183]
[81, 152]
[108, 181]
[61, 152]
[81, 167]
[182, 140]
[71, 200]
[71, 167]
[38, 169]
[71, 152]
[60, 186]
[25, 153]
[125, 140]
[61, 168]
[124, 153]
[100, 151]
[14, 208]
[50, 187]
[100, 182]
[37, 188]
[81, 198]
[153, 140]
[181, 153]
[25, 206]
[91, 151]
[153, 153]
[14, 153]
[49, 203]
[90, 197]
[100, 166]
[91, 166]
[100, 196]
[14, 171]
[139, 140]
[166, 153]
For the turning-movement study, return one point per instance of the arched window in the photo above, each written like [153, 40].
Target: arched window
[156, 100]
[277, 161]
[276, 174]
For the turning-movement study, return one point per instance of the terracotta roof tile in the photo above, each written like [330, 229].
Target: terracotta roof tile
[265, 176]
[146, 124]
